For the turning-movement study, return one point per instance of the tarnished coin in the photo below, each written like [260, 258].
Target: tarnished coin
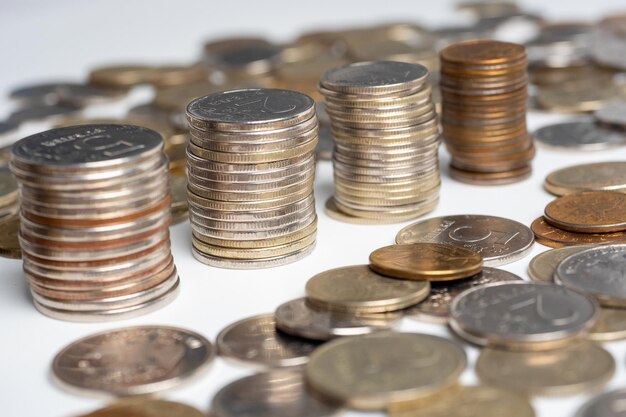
[278, 393]
[298, 318]
[572, 369]
[374, 371]
[543, 266]
[522, 315]
[43, 112]
[9, 241]
[359, 289]
[378, 77]
[255, 341]
[588, 212]
[436, 307]
[555, 237]
[600, 176]
[599, 272]
[146, 407]
[429, 261]
[132, 360]
[498, 240]
[583, 135]
[609, 404]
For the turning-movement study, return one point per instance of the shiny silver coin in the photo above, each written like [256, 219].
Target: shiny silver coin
[374, 77]
[599, 271]
[298, 318]
[255, 341]
[278, 393]
[43, 113]
[436, 307]
[522, 315]
[498, 240]
[583, 135]
[609, 404]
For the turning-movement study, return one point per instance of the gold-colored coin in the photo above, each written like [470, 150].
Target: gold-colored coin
[426, 261]
[359, 289]
[586, 97]
[8, 188]
[256, 253]
[146, 407]
[543, 266]
[611, 325]
[588, 212]
[176, 150]
[178, 188]
[573, 369]
[373, 372]
[9, 242]
[123, 76]
[600, 176]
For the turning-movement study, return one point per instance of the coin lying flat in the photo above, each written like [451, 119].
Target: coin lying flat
[255, 341]
[359, 289]
[589, 212]
[584, 136]
[146, 407]
[298, 318]
[543, 266]
[429, 261]
[498, 240]
[133, 360]
[611, 325]
[609, 404]
[44, 93]
[554, 237]
[613, 115]
[43, 112]
[278, 393]
[522, 315]
[373, 371]
[601, 176]
[573, 369]
[436, 307]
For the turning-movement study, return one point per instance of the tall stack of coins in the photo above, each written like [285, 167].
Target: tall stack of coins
[484, 94]
[251, 166]
[94, 221]
[386, 138]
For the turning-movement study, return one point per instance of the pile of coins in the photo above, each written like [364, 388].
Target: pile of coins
[386, 138]
[484, 94]
[95, 212]
[251, 166]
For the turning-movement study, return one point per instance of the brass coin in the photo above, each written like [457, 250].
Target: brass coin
[573, 369]
[9, 241]
[374, 371]
[8, 188]
[551, 236]
[332, 211]
[426, 261]
[146, 407]
[588, 212]
[601, 176]
[543, 266]
[359, 289]
[611, 325]
[123, 76]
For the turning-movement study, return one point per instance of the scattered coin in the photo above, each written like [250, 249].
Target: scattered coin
[9, 241]
[242, 58]
[613, 115]
[581, 135]
[522, 315]
[436, 307]
[600, 176]
[572, 369]
[611, 325]
[607, 42]
[608, 404]
[37, 94]
[585, 97]
[358, 289]
[554, 237]
[82, 95]
[499, 241]
[132, 360]
[123, 76]
[543, 266]
[429, 261]
[146, 407]
[588, 212]
[43, 112]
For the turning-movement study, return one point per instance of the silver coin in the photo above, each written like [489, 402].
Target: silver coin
[436, 307]
[254, 263]
[43, 112]
[47, 93]
[278, 393]
[325, 144]
[522, 315]
[599, 271]
[298, 318]
[250, 58]
[82, 95]
[583, 135]
[499, 241]
[7, 128]
[375, 76]
[614, 114]
[133, 360]
[609, 404]
[543, 266]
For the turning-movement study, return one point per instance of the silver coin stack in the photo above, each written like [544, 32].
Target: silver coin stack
[251, 166]
[95, 221]
[386, 138]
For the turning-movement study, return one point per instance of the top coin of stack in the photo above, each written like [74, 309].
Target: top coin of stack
[386, 141]
[251, 166]
[94, 221]
[484, 93]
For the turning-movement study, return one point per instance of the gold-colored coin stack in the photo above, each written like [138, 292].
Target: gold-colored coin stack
[484, 94]
[386, 138]
[251, 166]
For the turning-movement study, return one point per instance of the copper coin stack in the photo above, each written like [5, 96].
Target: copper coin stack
[251, 166]
[386, 138]
[95, 221]
[484, 95]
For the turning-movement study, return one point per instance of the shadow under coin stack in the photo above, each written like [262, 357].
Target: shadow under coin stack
[94, 221]
[484, 94]
[251, 166]
[386, 138]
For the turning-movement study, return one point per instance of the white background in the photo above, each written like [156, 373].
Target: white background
[62, 39]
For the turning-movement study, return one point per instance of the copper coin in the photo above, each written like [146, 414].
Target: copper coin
[589, 212]
[554, 237]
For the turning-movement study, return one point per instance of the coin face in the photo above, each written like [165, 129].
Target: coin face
[499, 241]
[572, 369]
[522, 315]
[373, 77]
[543, 266]
[484, 52]
[359, 289]
[430, 261]
[146, 407]
[580, 136]
[609, 404]
[589, 212]
[436, 307]
[602, 176]
[255, 341]
[598, 271]
[555, 237]
[372, 372]
[278, 393]
[133, 360]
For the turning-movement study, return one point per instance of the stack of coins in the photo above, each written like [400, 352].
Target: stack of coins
[386, 141]
[94, 221]
[251, 166]
[484, 94]
[9, 205]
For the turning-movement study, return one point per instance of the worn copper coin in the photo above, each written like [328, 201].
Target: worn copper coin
[554, 237]
[588, 212]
